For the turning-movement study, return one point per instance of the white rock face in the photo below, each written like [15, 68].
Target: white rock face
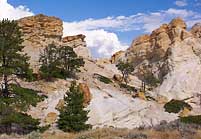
[173, 55]
[113, 108]
[184, 77]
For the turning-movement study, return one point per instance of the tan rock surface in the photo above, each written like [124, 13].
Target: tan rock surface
[87, 94]
[78, 43]
[39, 31]
[51, 118]
[60, 104]
[115, 57]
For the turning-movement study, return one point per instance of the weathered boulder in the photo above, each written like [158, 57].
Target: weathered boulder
[117, 77]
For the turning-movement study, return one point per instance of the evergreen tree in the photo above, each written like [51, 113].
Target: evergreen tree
[48, 60]
[12, 60]
[73, 117]
[59, 62]
[126, 68]
[69, 61]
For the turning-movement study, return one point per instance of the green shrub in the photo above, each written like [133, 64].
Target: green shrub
[191, 119]
[175, 106]
[103, 79]
[128, 87]
[44, 128]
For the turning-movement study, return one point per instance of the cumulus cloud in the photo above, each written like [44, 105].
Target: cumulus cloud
[11, 12]
[102, 43]
[101, 38]
[181, 3]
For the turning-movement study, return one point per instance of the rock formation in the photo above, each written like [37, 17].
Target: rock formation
[40, 30]
[115, 57]
[78, 44]
[87, 94]
[196, 30]
[172, 54]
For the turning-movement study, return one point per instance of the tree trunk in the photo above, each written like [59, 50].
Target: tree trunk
[144, 87]
[5, 89]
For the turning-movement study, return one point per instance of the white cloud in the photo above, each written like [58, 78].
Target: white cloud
[140, 21]
[102, 43]
[181, 3]
[11, 12]
[101, 38]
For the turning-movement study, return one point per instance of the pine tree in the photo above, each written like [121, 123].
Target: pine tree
[73, 117]
[69, 61]
[49, 62]
[59, 62]
[12, 60]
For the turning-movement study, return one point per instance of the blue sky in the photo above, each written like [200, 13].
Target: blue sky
[110, 25]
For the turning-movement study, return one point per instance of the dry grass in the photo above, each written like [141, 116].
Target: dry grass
[111, 133]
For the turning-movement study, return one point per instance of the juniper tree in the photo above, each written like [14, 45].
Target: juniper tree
[126, 68]
[12, 59]
[73, 117]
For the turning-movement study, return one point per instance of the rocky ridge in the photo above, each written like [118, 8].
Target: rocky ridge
[172, 54]
[41, 30]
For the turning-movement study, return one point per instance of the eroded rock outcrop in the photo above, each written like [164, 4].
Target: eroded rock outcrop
[78, 43]
[41, 30]
[172, 54]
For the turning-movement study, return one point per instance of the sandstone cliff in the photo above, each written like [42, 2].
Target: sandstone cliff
[41, 30]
